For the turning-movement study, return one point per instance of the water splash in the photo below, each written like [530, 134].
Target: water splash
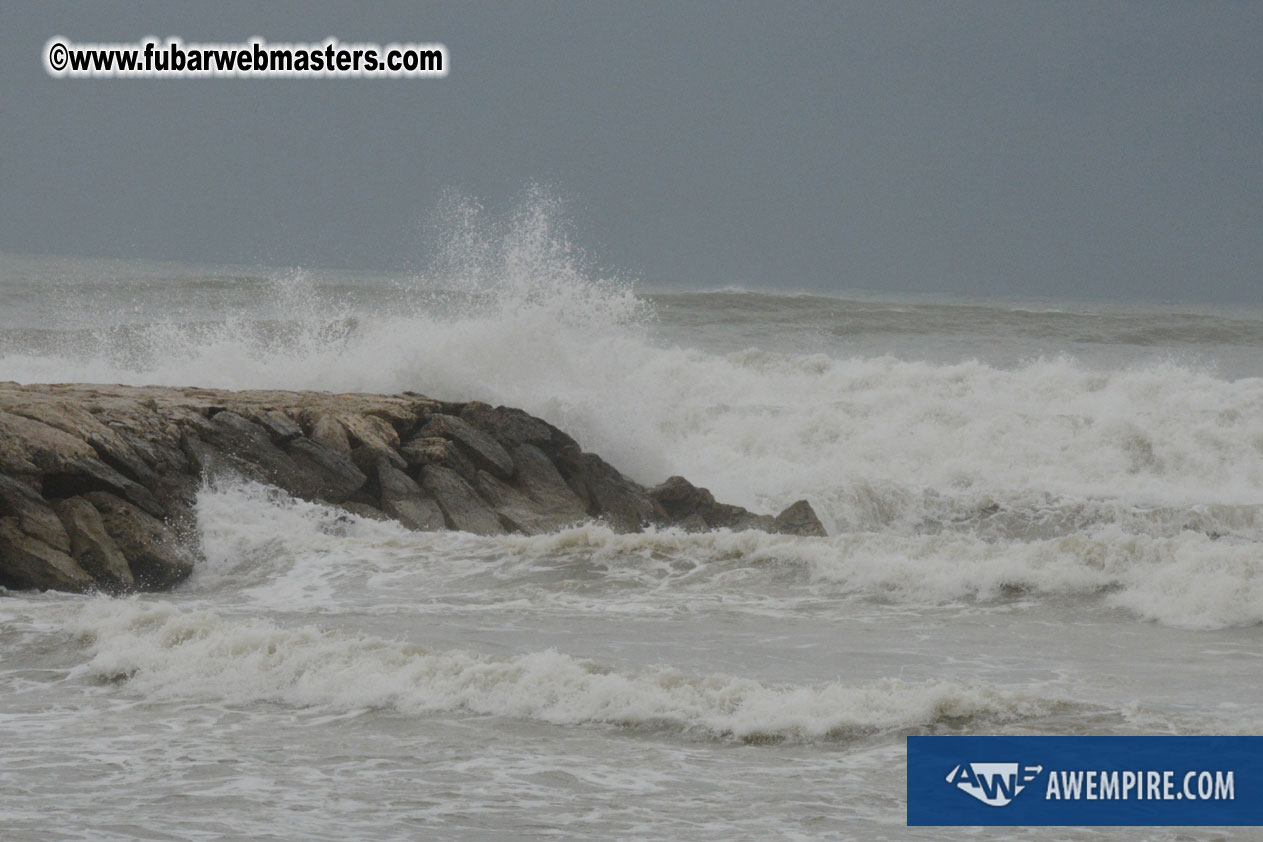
[511, 311]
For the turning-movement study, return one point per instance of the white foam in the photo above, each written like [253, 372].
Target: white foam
[167, 653]
[285, 554]
[972, 478]
[258, 540]
[866, 438]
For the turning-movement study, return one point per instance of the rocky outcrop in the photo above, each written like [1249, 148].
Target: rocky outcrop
[694, 509]
[98, 483]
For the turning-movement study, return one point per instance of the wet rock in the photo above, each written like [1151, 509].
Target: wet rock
[371, 431]
[154, 554]
[539, 478]
[27, 562]
[365, 457]
[512, 427]
[98, 483]
[210, 463]
[280, 426]
[481, 449]
[462, 508]
[680, 499]
[161, 454]
[32, 447]
[92, 547]
[112, 448]
[689, 506]
[238, 443]
[32, 515]
[519, 512]
[329, 431]
[625, 505]
[402, 499]
[799, 519]
[324, 473]
[423, 451]
[233, 445]
[79, 476]
[740, 520]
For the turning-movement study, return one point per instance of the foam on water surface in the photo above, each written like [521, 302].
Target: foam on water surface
[1043, 517]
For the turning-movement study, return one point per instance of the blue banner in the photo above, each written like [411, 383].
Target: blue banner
[1103, 781]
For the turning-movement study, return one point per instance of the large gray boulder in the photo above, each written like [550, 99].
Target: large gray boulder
[155, 554]
[481, 449]
[91, 545]
[27, 562]
[403, 500]
[463, 508]
[799, 519]
[540, 480]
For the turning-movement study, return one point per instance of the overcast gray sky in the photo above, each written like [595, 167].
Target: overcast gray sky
[1063, 149]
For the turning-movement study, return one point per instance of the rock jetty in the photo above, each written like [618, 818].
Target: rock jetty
[98, 483]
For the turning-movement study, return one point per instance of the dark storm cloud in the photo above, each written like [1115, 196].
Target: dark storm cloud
[1069, 149]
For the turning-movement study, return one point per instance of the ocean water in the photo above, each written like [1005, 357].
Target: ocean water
[1044, 518]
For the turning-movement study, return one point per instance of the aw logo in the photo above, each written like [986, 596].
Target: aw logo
[994, 784]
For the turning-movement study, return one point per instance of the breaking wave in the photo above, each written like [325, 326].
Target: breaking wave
[939, 480]
[285, 554]
[165, 653]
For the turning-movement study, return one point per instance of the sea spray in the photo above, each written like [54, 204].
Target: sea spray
[286, 554]
[1043, 520]
[512, 313]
